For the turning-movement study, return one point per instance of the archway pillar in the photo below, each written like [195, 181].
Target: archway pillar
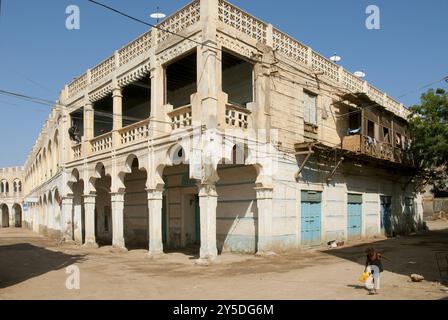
[264, 205]
[66, 218]
[155, 199]
[89, 209]
[117, 204]
[12, 218]
[208, 202]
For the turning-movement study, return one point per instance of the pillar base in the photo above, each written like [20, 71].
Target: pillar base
[92, 245]
[155, 254]
[67, 241]
[206, 261]
[120, 248]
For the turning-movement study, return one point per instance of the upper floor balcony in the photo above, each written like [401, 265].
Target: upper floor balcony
[157, 84]
[371, 130]
[125, 116]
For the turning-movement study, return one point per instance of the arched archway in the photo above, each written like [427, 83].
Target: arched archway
[17, 209]
[135, 213]
[5, 215]
[78, 215]
[103, 206]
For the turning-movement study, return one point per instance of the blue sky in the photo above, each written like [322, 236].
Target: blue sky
[38, 55]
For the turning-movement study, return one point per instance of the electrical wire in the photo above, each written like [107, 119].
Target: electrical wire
[152, 25]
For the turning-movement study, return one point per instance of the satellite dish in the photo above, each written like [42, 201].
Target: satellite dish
[158, 15]
[335, 58]
[360, 74]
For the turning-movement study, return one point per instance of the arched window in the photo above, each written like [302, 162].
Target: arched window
[6, 187]
[2, 187]
[19, 186]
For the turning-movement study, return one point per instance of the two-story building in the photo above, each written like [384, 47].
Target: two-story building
[11, 197]
[218, 131]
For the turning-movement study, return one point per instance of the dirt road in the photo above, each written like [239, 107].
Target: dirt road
[34, 267]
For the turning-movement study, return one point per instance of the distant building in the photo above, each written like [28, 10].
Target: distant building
[239, 138]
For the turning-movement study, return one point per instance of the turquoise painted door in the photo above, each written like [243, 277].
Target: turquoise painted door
[354, 215]
[386, 210]
[311, 218]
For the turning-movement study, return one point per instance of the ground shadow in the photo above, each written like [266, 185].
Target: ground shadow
[23, 261]
[408, 255]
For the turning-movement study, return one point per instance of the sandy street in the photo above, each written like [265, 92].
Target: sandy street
[34, 267]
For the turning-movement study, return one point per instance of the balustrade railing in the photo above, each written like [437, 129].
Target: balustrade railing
[247, 24]
[181, 117]
[102, 143]
[77, 151]
[135, 132]
[237, 116]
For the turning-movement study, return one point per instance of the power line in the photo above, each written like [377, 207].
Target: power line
[27, 98]
[151, 25]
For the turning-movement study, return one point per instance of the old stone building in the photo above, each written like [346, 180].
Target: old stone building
[11, 198]
[217, 131]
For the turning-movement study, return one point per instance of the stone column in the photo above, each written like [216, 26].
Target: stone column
[208, 201]
[117, 97]
[158, 115]
[117, 202]
[12, 217]
[117, 122]
[155, 198]
[88, 121]
[89, 210]
[264, 205]
[208, 64]
[66, 218]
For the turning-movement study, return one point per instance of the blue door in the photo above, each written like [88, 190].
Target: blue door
[386, 210]
[311, 218]
[354, 215]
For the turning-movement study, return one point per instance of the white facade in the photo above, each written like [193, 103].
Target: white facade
[162, 122]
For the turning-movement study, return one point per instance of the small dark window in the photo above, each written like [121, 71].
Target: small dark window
[371, 129]
[386, 136]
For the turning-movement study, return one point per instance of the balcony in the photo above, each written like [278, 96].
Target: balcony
[365, 145]
[102, 143]
[237, 117]
[181, 117]
[134, 133]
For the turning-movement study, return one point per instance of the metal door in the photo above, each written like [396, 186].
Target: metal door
[311, 218]
[354, 214]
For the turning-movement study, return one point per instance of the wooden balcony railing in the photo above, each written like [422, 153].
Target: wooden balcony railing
[377, 149]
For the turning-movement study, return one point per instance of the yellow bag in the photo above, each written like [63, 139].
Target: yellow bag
[364, 276]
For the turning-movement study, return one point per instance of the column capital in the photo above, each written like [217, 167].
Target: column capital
[207, 190]
[68, 199]
[117, 196]
[155, 194]
[117, 92]
[264, 192]
[89, 198]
